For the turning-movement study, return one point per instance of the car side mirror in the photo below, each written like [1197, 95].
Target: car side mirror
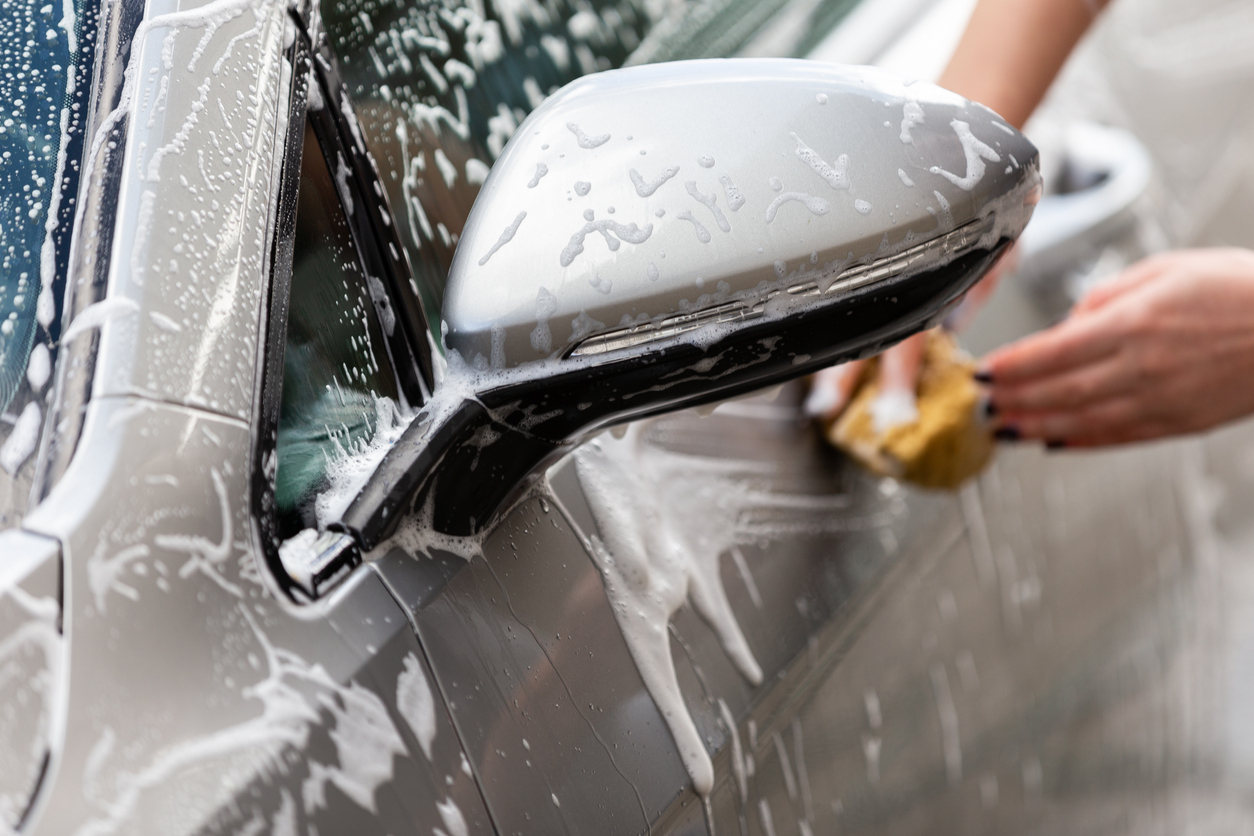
[666, 236]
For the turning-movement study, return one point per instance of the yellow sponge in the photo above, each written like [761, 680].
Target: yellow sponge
[948, 444]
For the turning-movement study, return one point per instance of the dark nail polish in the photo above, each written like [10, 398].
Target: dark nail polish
[990, 409]
[983, 376]
[1006, 433]
[1055, 444]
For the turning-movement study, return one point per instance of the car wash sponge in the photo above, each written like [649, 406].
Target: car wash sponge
[947, 444]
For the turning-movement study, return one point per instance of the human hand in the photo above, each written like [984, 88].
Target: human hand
[1165, 348]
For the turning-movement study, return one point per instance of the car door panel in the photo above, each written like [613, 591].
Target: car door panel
[525, 648]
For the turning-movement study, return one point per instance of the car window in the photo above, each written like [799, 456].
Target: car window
[439, 88]
[45, 66]
[338, 379]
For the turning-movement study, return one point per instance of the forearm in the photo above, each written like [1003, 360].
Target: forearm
[1012, 50]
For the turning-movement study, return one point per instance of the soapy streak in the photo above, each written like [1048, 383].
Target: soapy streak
[835, 176]
[735, 199]
[650, 568]
[541, 170]
[703, 234]
[647, 189]
[204, 555]
[630, 233]
[584, 140]
[976, 153]
[506, 237]
[816, 205]
[711, 202]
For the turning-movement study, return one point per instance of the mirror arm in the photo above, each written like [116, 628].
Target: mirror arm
[481, 455]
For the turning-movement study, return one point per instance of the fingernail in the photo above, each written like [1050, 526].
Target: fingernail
[1055, 444]
[983, 376]
[1006, 433]
[990, 409]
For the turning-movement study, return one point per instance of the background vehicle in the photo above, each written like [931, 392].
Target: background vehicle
[870, 631]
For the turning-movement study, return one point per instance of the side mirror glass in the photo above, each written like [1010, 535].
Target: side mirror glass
[665, 236]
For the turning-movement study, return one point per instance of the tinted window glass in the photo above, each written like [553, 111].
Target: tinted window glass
[338, 381]
[440, 87]
[45, 65]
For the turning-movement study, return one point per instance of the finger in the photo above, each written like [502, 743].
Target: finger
[1074, 342]
[1072, 389]
[831, 388]
[1131, 277]
[1113, 420]
[899, 366]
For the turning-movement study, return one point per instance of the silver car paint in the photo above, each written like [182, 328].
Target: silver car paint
[32, 658]
[187, 277]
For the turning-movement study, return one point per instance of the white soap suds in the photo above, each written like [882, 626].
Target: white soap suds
[584, 140]
[541, 170]
[39, 367]
[97, 314]
[506, 236]
[22, 439]
[703, 234]
[415, 703]
[893, 408]
[647, 189]
[912, 114]
[365, 742]
[862, 207]
[710, 201]
[816, 205]
[905, 178]
[451, 815]
[353, 464]
[546, 306]
[976, 153]
[735, 199]
[476, 171]
[651, 563]
[836, 176]
[342, 174]
[631, 233]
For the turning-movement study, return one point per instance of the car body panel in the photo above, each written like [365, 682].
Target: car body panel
[541, 686]
[32, 655]
[239, 705]
[186, 283]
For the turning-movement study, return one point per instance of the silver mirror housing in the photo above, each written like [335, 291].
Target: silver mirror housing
[636, 203]
[672, 235]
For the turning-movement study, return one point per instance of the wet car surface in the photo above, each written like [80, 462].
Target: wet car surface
[924, 657]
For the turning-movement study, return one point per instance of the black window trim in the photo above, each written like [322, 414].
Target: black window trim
[381, 254]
